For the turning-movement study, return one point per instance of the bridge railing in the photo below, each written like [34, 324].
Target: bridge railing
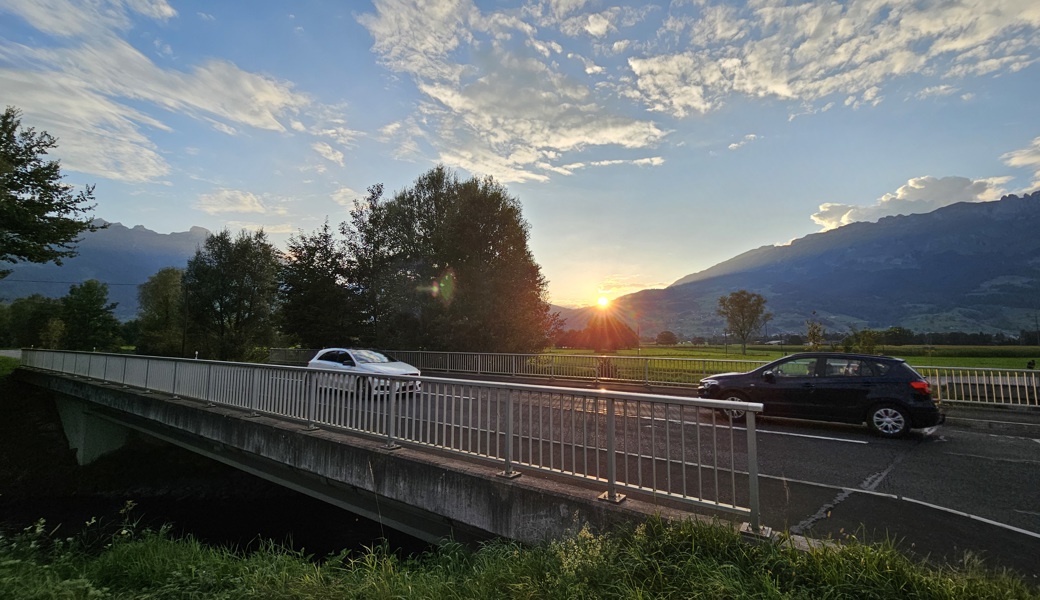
[999, 387]
[670, 447]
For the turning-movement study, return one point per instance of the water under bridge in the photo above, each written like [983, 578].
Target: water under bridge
[432, 457]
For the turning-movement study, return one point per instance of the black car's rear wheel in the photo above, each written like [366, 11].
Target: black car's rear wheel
[734, 414]
[888, 420]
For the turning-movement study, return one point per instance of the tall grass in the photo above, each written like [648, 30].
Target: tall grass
[653, 560]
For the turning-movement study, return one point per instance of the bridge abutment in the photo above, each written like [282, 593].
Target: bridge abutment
[90, 436]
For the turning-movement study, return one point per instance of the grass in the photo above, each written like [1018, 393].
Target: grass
[7, 365]
[991, 357]
[653, 560]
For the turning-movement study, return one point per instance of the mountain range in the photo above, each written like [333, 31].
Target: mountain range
[121, 257]
[971, 267]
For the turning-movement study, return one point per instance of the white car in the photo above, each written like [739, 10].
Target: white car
[366, 362]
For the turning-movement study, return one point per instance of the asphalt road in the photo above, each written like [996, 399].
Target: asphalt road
[939, 493]
[967, 489]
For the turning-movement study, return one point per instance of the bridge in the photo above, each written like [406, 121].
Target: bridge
[432, 457]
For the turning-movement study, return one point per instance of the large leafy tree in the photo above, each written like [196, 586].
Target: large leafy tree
[319, 307]
[29, 317]
[160, 314]
[40, 216]
[745, 314]
[88, 319]
[445, 265]
[231, 287]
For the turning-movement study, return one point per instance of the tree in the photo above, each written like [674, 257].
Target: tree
[814, 333]
[160, 314]
[607, 333]
[29, 317]
[445, 265]
[231, 290]
[40, 217]
[319, 307]
[6, 337]
[667, 338]
[89, 322]
[745, 314]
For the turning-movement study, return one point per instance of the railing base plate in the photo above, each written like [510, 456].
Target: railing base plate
[616, 498]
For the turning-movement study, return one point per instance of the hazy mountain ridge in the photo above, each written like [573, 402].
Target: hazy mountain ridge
[119, 256]
[963, 267]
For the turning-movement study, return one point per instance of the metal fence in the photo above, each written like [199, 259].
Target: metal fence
[667, 446]
[997, 387]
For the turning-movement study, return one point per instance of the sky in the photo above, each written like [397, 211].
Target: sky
[644, 141]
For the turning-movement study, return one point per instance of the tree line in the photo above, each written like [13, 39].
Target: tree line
[441, 265]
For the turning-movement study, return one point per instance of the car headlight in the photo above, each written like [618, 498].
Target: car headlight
[709, 382]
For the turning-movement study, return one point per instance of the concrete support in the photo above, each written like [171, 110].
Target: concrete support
[91, 437]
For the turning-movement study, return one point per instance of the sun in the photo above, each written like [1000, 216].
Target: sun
[603, 301]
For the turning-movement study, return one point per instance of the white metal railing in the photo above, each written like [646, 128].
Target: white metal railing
[649, 371]
[1003, 387]
[668, 446]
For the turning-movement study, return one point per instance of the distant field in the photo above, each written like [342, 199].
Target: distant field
[990, 357]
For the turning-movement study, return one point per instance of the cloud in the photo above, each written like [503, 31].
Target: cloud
[328, 152]
[919, 195]
[747, 139]
[231, 201]
[94, 91]
[493, 101]
[345, 196]
[75, 19]
[816, 52]
[1027, 158]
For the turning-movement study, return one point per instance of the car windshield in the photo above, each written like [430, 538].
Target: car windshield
[369, 356]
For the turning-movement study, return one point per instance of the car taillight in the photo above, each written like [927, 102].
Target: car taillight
[921, 386]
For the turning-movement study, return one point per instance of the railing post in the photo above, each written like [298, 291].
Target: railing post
[611, 494]
[752, 454]
[646, 371]
[176, 364]
[312, 398]
[508, 472]
[391, 417]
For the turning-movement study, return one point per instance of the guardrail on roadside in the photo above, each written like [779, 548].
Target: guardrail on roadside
[667, 446]
[998, 387]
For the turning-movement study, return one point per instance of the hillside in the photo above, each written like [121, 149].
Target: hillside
[119, 256]
[965, 267]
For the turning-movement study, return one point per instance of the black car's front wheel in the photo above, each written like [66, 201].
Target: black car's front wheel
[736, 414]
[888, 420]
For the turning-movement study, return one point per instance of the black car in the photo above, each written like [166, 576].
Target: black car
[884, 392]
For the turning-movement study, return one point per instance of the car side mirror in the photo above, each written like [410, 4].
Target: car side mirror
[769, 377]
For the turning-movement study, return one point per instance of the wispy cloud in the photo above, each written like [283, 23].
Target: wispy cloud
[919, 195]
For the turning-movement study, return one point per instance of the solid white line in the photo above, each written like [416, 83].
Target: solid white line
[975, 517]
[921, 502]
[1008, 460]
[815, 437]
[770, 431]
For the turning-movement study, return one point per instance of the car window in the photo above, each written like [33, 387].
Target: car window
[369, 356]
[798, 367]
[847, 367]
[331, 356]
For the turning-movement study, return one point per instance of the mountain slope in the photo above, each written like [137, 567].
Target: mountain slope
[118, 256]
[964, 267]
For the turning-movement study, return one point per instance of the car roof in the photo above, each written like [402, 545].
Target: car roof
[847, 355]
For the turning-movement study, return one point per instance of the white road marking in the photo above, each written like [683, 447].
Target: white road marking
[849, 490]
[1008, 460]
